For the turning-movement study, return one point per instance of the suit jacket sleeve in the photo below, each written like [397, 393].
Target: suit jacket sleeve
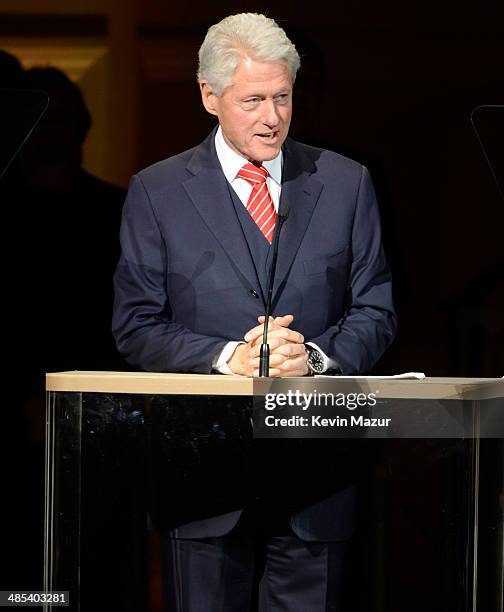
[143, 326]
[368, 325]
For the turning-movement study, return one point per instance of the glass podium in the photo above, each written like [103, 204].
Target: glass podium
[128, 454]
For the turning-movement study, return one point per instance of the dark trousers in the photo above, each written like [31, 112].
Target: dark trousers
[251, 569]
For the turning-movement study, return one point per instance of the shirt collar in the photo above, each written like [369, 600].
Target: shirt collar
[231, 162]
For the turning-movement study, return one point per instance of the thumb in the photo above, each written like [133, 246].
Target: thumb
[284, 320]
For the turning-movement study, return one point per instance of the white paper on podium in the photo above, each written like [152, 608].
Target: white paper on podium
[406, 375]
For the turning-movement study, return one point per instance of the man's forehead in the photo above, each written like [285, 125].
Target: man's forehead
[253, 73]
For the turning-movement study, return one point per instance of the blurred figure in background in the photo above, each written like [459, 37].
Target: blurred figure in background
[63, 224]
[70, 230]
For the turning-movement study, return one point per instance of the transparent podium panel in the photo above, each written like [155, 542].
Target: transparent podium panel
[129, 456]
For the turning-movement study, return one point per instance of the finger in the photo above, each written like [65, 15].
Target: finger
[288, 349]
[273, 343]
[280, 346]
[291, 335]
[294, 367]
[279, 365]
[277, 360]
[262, 318]
[282, 320]
[257, 332]
[254, 333]
[274, 361]
[278, 337]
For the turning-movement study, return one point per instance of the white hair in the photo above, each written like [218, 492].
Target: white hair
[228, 42]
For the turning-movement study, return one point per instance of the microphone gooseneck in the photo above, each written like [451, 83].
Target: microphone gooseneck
[265, 352]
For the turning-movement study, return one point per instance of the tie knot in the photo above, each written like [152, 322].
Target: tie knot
[253, 174]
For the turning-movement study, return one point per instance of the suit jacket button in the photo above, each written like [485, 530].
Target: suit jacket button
[254, 293]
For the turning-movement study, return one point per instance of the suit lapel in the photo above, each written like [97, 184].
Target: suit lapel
[300, 193]
[209, 192]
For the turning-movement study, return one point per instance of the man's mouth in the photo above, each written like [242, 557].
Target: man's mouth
[268, 135]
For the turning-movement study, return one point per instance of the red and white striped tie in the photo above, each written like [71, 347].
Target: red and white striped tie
[260, 205]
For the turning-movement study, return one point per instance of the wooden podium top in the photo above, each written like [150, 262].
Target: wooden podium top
[217, 384]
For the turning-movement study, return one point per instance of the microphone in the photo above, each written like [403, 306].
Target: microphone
[264, 355]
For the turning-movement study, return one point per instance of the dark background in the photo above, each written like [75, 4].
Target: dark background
[390, 84]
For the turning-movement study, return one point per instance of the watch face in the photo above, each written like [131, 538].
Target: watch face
[315, 361]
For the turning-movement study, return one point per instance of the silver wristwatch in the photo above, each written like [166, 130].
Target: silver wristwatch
[315, 361]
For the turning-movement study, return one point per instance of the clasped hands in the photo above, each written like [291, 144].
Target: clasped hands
[288, 354]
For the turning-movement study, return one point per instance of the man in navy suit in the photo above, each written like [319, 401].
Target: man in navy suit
[190, 293]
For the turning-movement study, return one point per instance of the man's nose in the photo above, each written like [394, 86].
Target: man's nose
[270, 113]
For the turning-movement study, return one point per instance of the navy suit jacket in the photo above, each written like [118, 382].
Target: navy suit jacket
[186, 280]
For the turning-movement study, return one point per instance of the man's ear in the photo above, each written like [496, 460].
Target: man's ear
[209, 99]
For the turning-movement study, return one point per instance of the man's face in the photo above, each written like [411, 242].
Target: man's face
[255, 111]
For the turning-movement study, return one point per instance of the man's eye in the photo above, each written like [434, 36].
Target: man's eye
[250, 103]
[282, 99]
